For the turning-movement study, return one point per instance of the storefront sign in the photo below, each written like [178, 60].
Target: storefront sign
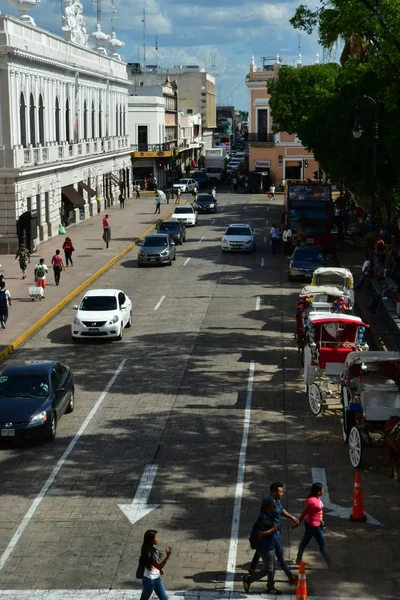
[262, 164]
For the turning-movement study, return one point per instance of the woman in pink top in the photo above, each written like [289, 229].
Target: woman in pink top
[313, 523]
[58, 266]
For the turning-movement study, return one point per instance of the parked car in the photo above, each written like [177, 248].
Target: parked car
[202, 179]
[239, 237]
[102, 313]
[186, 185]
[175, 229]
[206, 203]
[304, 261]
[33, 398]
[157, 249]
[185, 214]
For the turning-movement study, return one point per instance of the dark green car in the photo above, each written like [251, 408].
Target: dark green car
[173, 228]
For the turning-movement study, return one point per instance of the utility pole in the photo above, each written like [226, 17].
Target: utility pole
[144, 35]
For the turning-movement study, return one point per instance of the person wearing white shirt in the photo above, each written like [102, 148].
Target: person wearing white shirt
[287, 240]
[364, 272]
[40, 274]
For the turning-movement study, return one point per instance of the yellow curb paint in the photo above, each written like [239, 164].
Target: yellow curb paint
[53, 311]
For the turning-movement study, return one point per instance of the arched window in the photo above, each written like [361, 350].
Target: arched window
[67, 121]
[41, 120]
[22, 119]
[85, 120]
[116, 120]
[93, 121]
[120, 120]
[100, 121]
[57, 116]
[32, 126]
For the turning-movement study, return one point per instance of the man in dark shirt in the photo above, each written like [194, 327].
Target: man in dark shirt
[276, 491]
[267, 535]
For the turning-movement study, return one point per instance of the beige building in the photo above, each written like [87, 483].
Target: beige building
[196, 91]
[280, 152]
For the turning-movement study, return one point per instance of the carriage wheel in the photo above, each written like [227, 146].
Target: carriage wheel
[355, 447]
[315, 399]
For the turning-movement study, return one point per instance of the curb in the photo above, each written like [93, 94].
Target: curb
[53, 311]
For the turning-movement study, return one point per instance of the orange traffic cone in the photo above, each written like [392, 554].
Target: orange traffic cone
[301, 592]
[358, 502]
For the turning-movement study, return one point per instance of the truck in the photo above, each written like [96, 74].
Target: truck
[309, 207]
[215, 163]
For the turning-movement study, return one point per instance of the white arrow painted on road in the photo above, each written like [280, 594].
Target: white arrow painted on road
[319, 475]
[139, 507]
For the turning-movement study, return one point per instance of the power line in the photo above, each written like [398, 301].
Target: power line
[233, 91]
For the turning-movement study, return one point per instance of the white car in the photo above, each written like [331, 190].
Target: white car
[102, 314]
[186, 215]
[239, 237]
[186, 185]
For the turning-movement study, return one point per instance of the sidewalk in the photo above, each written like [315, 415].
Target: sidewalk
[350, 253]
[91, 259]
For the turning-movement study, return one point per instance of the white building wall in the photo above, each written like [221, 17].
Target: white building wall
[149, 111]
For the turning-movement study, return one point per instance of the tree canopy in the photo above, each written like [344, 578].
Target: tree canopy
[321, 102]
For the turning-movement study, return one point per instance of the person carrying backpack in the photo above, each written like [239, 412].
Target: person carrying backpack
[5, 302]
[40, 274]
[24, 258]
[262, 538]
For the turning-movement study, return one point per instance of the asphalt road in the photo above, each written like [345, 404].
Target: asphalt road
[182, 393]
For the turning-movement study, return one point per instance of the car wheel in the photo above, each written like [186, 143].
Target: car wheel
[121, 333]
[174, 256]
[140, 265]
[53, 427]
[129, 323]
[169, 263]
[71, 403]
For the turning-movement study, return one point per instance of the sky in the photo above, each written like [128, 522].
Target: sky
[220, 35]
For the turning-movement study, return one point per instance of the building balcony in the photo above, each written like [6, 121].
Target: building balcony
[261, 139]
[20, 157]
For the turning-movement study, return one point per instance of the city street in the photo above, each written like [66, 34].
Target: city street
[203, 394]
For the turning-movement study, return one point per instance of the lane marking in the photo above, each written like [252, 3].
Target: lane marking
[186, 262]
[231, 566]
[212, 222]
[319, 475]
[258, 302]
[161, 300]
[262, 262]
[60, 463]
[265, 238]
[201, 239]
[266, 222]
[139, 508]
[124, 594]
[268, 207]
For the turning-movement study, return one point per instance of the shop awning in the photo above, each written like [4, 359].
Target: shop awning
[70, 192]
[87, 188]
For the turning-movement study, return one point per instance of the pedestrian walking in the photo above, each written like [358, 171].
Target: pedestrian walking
[276, 493]
[214, 192]
[5, 302]
[283, 183]
[364, 272]
[24, 258]
[263, 538]
[153, 566]
[144, 183]
[58, 266]
[106, 230]
[68, 248]
[272, 191]
[380, 249]
[287, 240]
[312, 516]
[121, 200]
[158, 204]
[178, 196]
[40, 275]
[274, 235]
[137, 189]
[194, 194]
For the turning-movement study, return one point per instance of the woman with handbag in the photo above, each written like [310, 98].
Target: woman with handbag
[68, 250]
[152, 567]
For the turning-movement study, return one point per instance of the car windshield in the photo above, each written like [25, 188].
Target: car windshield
[98, 303]
[169, 227]
[24, 386]
[214, 170]
[238, 231]
[184, 181]
[183, 210]
[154, 241]
[308, 256]
[205, 199]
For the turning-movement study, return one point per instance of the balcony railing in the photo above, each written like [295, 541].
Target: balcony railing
[151, 147]
[261, 138]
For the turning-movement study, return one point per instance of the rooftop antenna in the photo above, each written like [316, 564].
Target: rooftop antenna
[144, 34]
[213, 65]
[114, 12]
[157, 51]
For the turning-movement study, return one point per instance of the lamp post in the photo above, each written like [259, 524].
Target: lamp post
[357, 133]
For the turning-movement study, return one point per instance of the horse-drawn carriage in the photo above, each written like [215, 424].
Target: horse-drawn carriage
[329, 338]
[317, 298]
[338, 277]
[370, 396]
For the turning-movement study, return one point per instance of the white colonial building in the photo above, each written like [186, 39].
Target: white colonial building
[64, 144]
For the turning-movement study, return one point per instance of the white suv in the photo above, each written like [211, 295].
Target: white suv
[186, 215]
